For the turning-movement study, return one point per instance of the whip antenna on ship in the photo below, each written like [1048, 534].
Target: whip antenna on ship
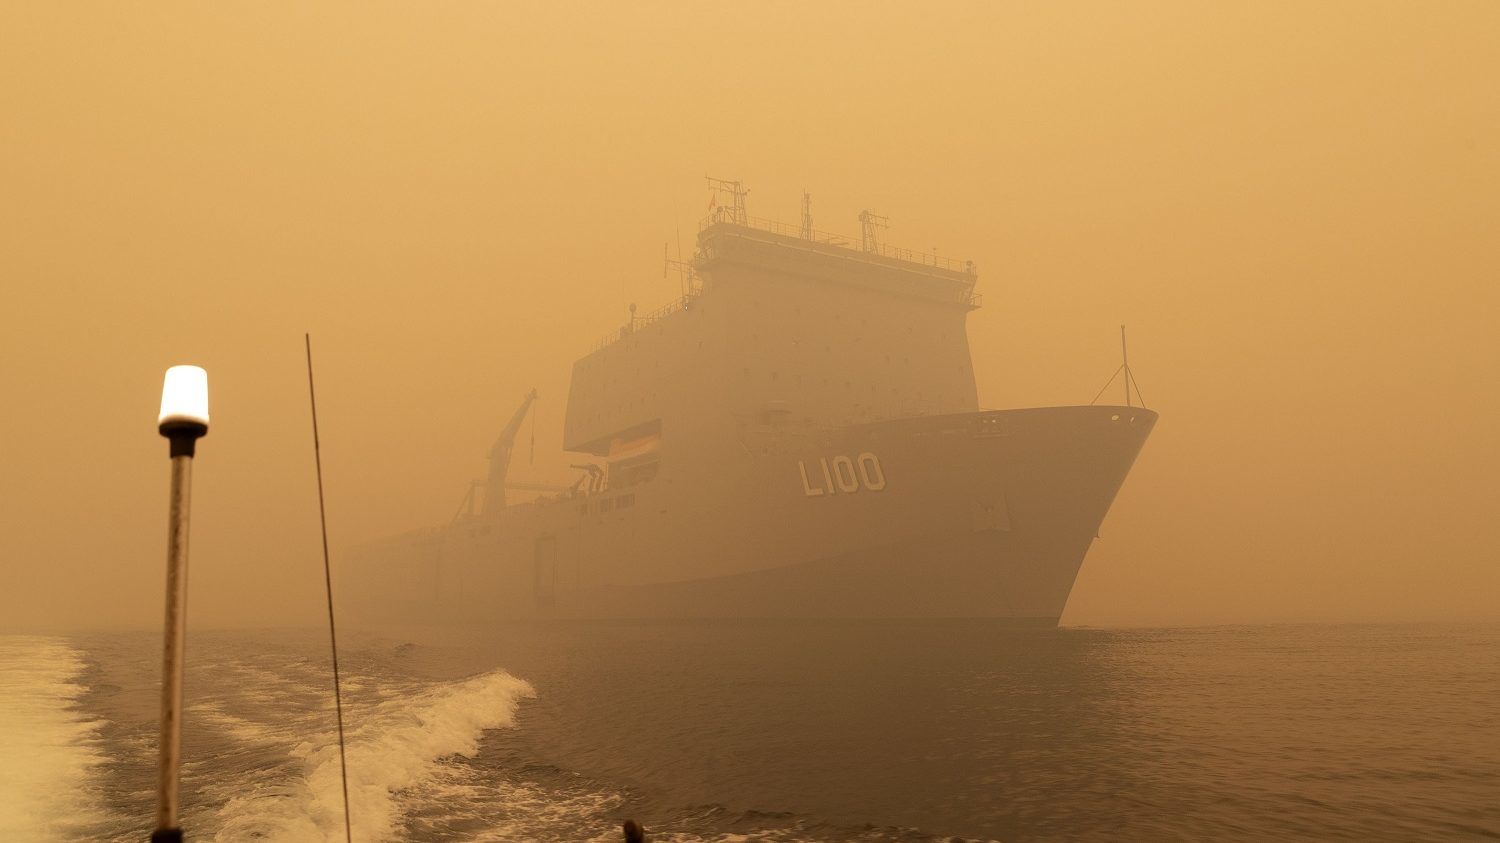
[1125, 370]
[333, 641]
[687, 275]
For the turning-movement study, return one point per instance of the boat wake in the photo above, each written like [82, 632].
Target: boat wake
[426, 760]
[48, 787]
[398, 743]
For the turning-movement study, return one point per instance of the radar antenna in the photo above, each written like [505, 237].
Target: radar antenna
[736, 192]
[869, 224]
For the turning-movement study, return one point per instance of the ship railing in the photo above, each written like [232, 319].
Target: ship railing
[640, 321]
[852, 244]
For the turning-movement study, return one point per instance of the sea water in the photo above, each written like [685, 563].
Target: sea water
[847, 731]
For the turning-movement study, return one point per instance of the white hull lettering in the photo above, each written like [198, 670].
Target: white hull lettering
[808, 489]
[843, 472]
[844, 475]
[870, 472]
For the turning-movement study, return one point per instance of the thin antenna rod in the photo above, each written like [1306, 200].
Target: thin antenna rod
[1125, 364]
[684, 279]
[333, 641]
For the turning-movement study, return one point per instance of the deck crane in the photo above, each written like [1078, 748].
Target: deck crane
[494, 490]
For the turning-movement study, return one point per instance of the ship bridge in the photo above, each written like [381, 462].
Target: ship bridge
[870, 264]
[780, 323]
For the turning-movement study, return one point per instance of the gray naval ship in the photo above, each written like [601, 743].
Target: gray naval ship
[797, 435]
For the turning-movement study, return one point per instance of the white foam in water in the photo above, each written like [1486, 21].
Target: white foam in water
[239, 728]
[48, 748]
[392, 746]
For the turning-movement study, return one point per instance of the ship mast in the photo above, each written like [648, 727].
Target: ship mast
[1130, 381]
[736, 192]
[869, 223]
[687, 275]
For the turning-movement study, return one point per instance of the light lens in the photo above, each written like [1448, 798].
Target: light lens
[184, 396]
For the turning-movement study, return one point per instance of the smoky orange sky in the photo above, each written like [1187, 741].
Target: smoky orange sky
[1293, 206]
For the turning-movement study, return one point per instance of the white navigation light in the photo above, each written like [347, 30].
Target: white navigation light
[184, 397]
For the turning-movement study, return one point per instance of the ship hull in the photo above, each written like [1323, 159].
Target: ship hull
[986, 514]
[933, 576]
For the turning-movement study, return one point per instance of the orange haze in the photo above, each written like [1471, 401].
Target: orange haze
[1294, 207]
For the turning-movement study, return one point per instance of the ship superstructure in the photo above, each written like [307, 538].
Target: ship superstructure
[798, 434]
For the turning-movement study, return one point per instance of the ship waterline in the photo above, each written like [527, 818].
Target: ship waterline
[798, 436]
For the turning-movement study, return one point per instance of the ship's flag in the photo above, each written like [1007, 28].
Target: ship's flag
[622, 449]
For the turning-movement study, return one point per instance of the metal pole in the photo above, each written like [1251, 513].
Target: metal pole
[183, 420]
[1125, 364]
[333, 640]
[175, 645]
